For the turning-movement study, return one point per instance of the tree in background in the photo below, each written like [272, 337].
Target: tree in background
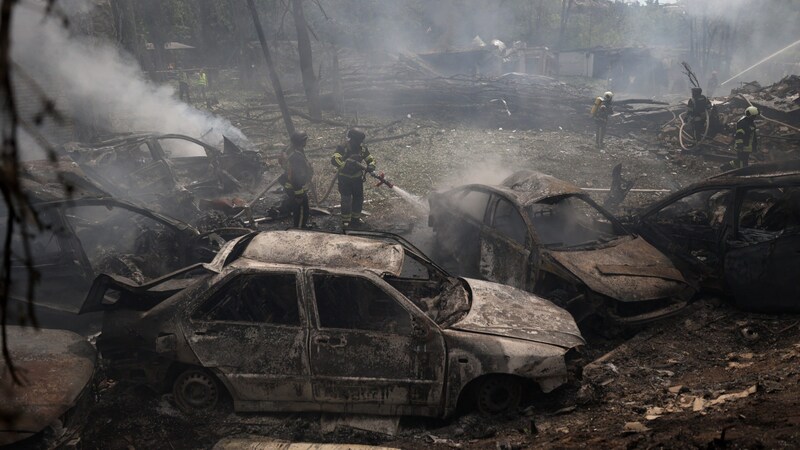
[306, 63]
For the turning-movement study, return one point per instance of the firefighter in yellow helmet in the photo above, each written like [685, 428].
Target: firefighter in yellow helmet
[746, 138]
[601, 111]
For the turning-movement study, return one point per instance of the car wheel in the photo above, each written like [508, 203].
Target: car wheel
[498, 394]
[196, 390]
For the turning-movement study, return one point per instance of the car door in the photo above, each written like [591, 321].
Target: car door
[764, 249]
[504, 255]
[458, 221]
[193, 165]
[370, 351]
[690, 228]
[254, 331]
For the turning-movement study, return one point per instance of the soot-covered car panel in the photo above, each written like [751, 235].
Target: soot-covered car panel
[738, 232]
[309, 321]
[542, 234]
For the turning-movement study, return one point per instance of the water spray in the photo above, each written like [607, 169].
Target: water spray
[761, 62]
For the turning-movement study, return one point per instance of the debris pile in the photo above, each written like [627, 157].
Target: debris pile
[779, 126]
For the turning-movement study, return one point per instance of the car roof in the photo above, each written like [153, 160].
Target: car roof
[327, 250]
[529, 186]
[767, 170]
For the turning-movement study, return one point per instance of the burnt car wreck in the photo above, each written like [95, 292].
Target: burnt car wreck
[171, 170]
[311, 321]
[736, 233]
[546, 236]
[86, 232]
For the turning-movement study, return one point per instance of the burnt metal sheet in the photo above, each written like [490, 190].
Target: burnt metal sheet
[506, 311]
[648, 274]
[326, 250]
[55, 367]
[530, 186]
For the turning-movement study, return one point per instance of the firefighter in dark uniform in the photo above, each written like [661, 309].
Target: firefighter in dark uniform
[696, 109]
[297, 174]
[746, 138]
[601, 111]
[351, 161]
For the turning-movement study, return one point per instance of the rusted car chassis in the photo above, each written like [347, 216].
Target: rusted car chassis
[423, 360]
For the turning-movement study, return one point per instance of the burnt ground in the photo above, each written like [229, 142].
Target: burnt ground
[713, 377]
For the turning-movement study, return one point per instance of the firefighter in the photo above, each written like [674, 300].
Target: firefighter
[746, 138]
[713, 84]
[601, 111]
[183, 87]
[202, 82]
[295, 179]
[351, 161]
[696, 109]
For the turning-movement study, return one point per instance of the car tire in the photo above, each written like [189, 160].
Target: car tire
[196, 390]
[498, 394]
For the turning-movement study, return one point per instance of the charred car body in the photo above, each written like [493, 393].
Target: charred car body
[312, 321]
[163, 168]
[738, 233]
[85, 232]
[55, 387]
[544, 235]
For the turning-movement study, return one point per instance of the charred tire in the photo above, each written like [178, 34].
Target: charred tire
[196, 390]
[498, 394]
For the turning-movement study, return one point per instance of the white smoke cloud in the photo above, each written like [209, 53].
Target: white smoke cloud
[93, 82]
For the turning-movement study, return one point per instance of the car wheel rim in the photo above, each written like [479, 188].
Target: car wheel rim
[197, 390]
[497, 395]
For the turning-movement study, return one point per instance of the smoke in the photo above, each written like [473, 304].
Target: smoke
[94, 83]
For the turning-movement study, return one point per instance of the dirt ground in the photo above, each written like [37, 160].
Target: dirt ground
[712, 377]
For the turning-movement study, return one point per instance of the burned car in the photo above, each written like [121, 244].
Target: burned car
[54, 389]
[737, 233]
[314, 321]
[85, 232]
[157, 167]
[546, 236]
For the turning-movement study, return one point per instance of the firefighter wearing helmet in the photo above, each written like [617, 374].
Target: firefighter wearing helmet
[746, 138]
[601, 111]
[696, 109]
[352, 160]
[296, 178]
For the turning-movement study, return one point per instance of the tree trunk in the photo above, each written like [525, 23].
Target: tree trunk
[273, 75]
[310, 83]
[566, 7]
[127, 32]
[157, 27]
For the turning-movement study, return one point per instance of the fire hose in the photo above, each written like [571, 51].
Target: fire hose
[381, 177]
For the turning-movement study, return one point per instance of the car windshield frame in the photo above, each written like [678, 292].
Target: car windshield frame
[618, 231]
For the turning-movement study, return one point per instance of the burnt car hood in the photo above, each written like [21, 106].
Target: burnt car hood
[509, 312]
[629, 270]
[55, 367]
